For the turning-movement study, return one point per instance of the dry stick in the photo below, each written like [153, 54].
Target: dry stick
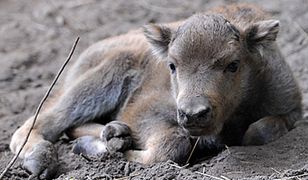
[128, 177]
[227, 147]
[301, 175]
[192, 151]
[85, 157]
[224, 177]
[278, 172]
[177, 166]
[210, 176]
[197, 172]
[39, 108]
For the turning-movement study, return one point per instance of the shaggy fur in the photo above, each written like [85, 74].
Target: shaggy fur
[228, 84]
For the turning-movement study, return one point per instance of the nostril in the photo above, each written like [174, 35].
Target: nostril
[203, 113]
[181, 113]
[182, 117]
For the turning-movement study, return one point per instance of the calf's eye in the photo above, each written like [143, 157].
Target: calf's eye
[233, 66]
[172, 67]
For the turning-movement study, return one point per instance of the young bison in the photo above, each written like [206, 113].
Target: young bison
[217, 75]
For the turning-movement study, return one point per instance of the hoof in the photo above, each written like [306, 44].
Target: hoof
[264, 131]
[114, 129]
[90, 146]
[42, 160]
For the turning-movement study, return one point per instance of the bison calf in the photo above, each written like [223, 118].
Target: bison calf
[218, 75]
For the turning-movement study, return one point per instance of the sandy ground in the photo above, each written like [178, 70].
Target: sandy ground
[36, 36]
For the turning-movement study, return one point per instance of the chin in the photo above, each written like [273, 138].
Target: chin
[203, 131]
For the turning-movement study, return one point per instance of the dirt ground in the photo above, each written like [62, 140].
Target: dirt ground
[36, 36]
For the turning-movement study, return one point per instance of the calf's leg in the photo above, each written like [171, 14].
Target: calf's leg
[270, 128]
[161, 142]
[96, 139]
[98, 92]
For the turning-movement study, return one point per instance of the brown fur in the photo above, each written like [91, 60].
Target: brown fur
[228, 84]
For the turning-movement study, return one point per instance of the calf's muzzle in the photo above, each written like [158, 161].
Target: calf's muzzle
[194, 112]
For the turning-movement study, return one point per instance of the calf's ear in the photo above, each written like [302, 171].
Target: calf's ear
[159, 37]
[261, 33]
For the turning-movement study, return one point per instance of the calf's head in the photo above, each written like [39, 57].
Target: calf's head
[210, 63]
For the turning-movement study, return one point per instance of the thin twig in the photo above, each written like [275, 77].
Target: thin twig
[290, 177]
[39, 108]
[201, 173]
[224, 177]
[234, 172]
[177, 166]
[85, 157]
[276, 171]
[193, 150]
[127, 177]
[228, 150]
[210, 176]
[302, 175]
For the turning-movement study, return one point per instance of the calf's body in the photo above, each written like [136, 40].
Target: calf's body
[217, 75]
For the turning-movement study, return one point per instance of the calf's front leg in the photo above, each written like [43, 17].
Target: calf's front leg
[89, 97]
[94, 139]
[161, 142]
[269, 128]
